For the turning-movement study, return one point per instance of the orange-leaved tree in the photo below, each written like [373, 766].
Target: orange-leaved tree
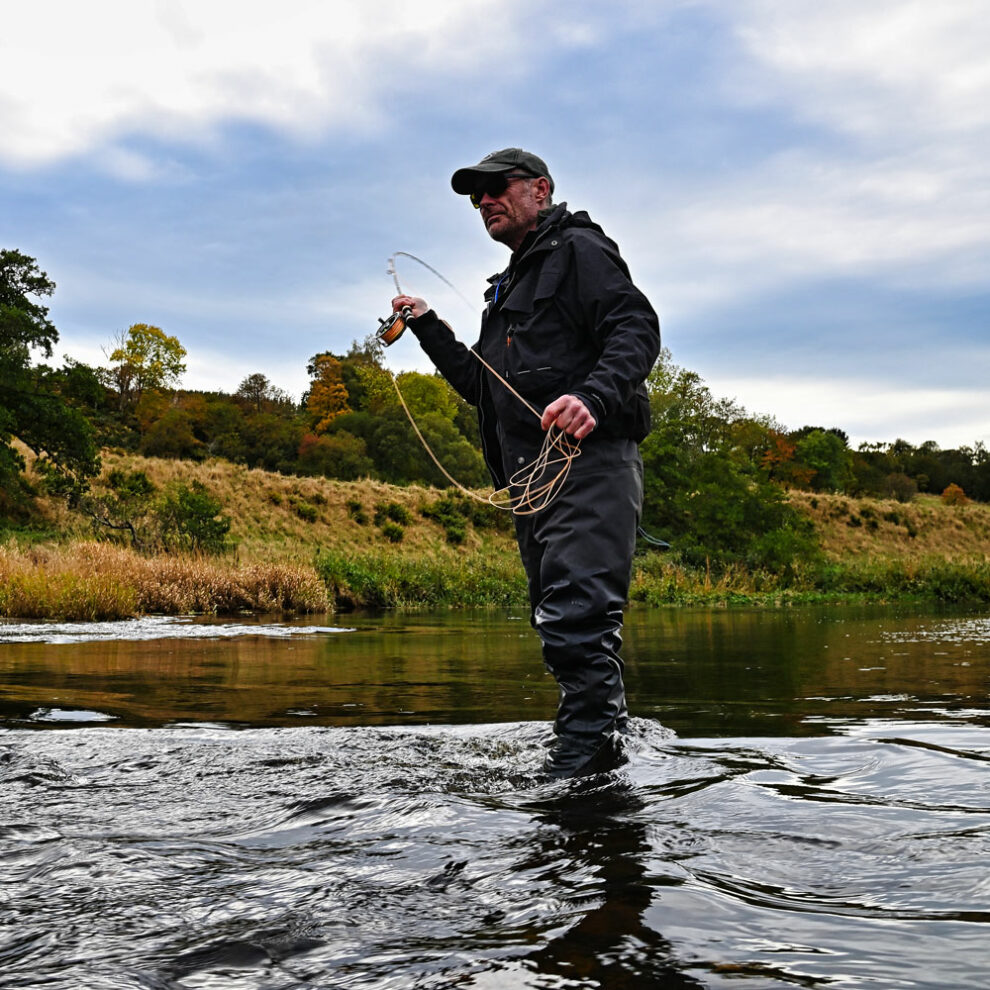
[327, 397]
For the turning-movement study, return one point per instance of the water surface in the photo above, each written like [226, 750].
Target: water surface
[357, 804]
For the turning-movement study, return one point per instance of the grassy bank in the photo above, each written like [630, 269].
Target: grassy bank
[931, 578]
[87, 580]
[310, 544]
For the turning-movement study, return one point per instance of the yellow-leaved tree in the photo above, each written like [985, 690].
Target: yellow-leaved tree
[145, 357]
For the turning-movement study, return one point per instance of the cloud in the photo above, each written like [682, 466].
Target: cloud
[877, 167]
[867, 413]
[888, 68]
[79, 76]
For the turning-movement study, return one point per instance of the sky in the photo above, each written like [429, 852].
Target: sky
[802, 189]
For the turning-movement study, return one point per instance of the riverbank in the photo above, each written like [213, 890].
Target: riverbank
[312, 545]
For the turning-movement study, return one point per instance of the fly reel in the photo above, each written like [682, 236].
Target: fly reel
[391, 330]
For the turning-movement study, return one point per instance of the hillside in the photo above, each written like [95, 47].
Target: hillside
[867, 527]
[312, 544]
[289, 518]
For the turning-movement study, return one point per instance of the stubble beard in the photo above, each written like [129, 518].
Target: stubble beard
[507, 232]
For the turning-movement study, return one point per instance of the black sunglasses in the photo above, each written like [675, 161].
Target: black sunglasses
[495, 185]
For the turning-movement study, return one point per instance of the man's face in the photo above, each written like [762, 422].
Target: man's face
[509, 216]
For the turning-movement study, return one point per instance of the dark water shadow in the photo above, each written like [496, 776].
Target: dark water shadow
[595, 832]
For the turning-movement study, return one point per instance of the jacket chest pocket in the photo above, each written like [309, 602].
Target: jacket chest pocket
[539, 352]
[536, 336]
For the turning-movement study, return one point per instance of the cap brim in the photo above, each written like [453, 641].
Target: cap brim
[464, 180]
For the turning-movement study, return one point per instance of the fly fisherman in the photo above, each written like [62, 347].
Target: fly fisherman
[567, 329]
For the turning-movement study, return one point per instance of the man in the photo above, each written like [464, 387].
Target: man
[567, 329]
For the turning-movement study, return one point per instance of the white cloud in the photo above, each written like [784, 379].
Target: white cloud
[881, 68]
[867, 411]
[884, 177]
[75, 76]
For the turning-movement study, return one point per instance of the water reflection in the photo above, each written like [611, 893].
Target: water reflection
[595, 834]
[703, 672]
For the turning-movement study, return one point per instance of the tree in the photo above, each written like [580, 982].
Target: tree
[336, 455]
[825, 454]
[31, 406]
[145, 358]
[427, 394]
[327, 397]
[192, 520]
[257, 391]
[706, 488]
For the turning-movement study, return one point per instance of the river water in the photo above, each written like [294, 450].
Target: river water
[277, 806]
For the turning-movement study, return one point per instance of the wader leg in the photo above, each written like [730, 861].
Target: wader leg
[578, 558]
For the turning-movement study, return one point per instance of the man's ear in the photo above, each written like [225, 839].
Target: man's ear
[541, 187]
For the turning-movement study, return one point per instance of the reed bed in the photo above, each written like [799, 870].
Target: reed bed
[99, 581]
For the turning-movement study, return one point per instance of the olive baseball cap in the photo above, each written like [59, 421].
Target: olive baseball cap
[464, 180]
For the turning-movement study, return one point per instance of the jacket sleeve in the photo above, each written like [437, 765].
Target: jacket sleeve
[622, 323]
[453, 359]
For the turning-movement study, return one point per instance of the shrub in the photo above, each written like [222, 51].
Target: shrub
[453, 513]
[356, 511]
[305, 511]
[392, 532]
[954, 495]
[190, 519]
[394, 511]
[900, 486]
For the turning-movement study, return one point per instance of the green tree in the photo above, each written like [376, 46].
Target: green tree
[427, 394]
[259, 393]
[825, 454]
[144, 358]
[172, 436]
[706, 487]
[337, 455]
[123, 508]
[31, 406]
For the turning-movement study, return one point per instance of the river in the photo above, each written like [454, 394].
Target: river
[356, 803]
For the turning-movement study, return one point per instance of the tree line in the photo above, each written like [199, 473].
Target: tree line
[715, 475]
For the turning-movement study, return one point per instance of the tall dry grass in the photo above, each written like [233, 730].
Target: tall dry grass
[857, 528]
[89, 580]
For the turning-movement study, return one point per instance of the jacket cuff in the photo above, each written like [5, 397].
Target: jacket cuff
[592, 403]
[423, 324]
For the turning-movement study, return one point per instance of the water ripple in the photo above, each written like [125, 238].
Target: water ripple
[150, 627]
[278, 859]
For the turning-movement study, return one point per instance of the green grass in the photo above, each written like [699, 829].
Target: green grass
[401, 580]
[394, 580]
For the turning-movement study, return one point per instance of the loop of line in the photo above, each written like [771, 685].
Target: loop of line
[558, 449]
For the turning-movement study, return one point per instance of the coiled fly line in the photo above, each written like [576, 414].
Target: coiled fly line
[537, 482]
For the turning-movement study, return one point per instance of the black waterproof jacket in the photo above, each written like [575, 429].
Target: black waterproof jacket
[563, 318]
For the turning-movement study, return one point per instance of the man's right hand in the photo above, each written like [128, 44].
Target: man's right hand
[417, 305]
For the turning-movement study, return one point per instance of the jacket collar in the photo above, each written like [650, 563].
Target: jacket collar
[535, 241]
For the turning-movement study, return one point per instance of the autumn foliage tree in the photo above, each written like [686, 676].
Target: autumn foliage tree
[327, 397]
[143, 358]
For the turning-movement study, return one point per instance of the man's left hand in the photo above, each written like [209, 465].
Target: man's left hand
[569, 414]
